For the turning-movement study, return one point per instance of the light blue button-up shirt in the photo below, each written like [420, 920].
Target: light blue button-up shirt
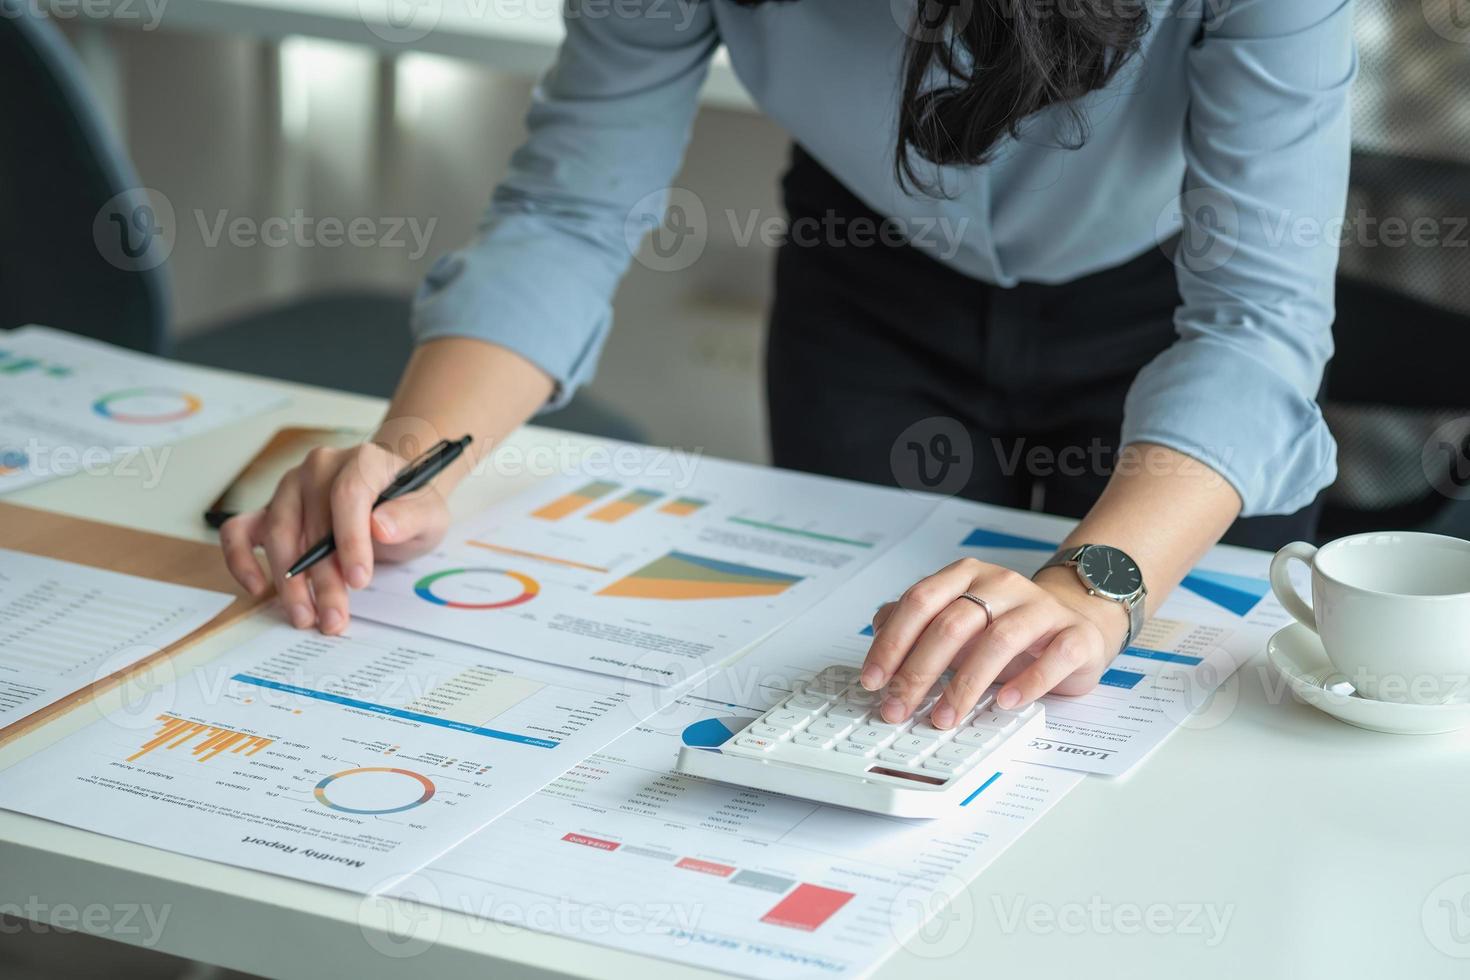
[1241, 104]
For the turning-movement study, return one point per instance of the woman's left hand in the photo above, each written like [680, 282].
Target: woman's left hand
[1047, 635]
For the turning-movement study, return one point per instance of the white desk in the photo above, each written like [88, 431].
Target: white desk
[1324, 845]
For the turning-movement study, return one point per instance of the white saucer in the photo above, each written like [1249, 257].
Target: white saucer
[1296, 654]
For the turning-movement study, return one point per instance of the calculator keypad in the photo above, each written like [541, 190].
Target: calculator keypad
[832, 713]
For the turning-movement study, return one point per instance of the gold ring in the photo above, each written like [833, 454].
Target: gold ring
[989, 613]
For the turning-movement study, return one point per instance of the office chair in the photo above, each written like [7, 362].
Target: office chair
[81, 247]
[1403, 321]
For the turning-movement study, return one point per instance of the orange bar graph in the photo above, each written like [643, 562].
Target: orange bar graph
[574, 501]
[176, 732]
[623, 506]
[682, 506]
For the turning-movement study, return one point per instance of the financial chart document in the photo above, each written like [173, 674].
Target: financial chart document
[623, 851]
[73, 405]
[1219, 617]
[654, 578]
[347, 761]
[64, 626]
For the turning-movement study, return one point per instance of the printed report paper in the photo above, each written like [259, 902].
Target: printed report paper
[69, 404]
[654, 579]
[65, 626]
[624, 852]
[345, 761]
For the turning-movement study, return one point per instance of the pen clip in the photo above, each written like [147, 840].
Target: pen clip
[427, 454]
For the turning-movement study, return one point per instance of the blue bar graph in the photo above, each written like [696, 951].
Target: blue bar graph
[983, 537]
[1237, 593]
[1120, 678]
[1143, 653]
[382, 709]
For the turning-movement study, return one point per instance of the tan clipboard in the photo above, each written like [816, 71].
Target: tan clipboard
[118, 549]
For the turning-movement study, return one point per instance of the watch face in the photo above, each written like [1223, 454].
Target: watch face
[1109, 572]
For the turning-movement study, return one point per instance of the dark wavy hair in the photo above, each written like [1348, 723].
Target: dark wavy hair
[974, 70]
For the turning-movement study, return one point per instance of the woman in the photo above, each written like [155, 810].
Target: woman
[1133, 186]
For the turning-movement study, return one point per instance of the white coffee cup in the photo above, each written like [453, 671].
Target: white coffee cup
[1392, 609]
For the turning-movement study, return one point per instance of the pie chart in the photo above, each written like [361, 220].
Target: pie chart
[374, 790]
[711, 733]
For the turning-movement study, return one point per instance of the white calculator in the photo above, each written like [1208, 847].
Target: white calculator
[827, 742]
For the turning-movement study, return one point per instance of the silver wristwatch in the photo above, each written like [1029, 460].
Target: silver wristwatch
[1109, 573]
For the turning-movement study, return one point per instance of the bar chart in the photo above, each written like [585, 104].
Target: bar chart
[570, 503]
[181, 733]
[624, 506]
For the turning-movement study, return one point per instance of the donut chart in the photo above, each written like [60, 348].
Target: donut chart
[147, 406]
[476, 588]
[374, 790]
[12, 461]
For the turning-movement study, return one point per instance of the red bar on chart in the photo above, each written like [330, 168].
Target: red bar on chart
[601, 845]
[705, 867]
[807, 907]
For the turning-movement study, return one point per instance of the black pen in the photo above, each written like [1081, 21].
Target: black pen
[412, 477]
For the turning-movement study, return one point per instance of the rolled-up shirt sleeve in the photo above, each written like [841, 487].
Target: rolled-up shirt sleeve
[608, 127]
[1268, 146]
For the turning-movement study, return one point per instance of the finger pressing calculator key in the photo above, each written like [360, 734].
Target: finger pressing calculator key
[826, 742]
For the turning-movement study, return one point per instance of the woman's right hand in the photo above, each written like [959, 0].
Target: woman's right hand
[332, 491]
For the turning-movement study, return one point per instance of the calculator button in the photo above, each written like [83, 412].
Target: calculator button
[870, 735]
[854, 711]
[811, 741]
[923, 729]
[830, 727]
[1001, 721]
[850, 747]
[896, 755]
[937, 764]
[981, 738]
[823, 686]
[839, 673]
[913, 744]
[805, 702]
[859, 695]
[767, 731]
[786, 719]
[958, 752]
[754, 742]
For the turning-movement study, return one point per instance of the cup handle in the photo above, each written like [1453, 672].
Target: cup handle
[1299, 608]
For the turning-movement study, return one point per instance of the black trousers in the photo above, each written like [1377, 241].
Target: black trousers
[884, 365]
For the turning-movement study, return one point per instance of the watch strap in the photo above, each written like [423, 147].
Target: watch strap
[1064, 556]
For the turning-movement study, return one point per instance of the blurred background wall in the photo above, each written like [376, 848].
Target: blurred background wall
[268, 128]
